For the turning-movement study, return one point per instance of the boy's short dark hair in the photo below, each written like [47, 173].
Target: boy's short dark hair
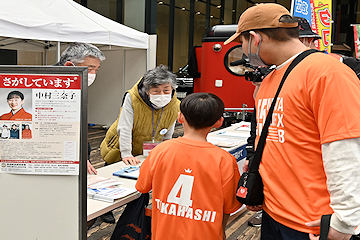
[202, 110]
[15, 93]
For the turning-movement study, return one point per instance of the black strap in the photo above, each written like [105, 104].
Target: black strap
[254, 164]
[324, 227]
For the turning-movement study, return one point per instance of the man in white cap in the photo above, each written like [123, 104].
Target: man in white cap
[311, 158]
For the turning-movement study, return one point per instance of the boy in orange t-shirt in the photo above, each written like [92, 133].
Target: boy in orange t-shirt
[193, 182]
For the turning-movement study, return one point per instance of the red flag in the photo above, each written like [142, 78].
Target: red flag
[356, 39]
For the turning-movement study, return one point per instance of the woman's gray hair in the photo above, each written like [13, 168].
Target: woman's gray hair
[77, 52]
[158, 76]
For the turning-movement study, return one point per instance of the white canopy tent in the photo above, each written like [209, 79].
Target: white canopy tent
[64, 21]
[41, 25]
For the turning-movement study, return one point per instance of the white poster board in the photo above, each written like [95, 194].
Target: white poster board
[43, 155]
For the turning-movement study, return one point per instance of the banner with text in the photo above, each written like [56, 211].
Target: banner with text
[318, 14]
[357, 39]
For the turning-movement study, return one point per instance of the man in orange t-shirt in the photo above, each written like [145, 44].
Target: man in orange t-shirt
[311, 158]
[193, 182]
[15, 99]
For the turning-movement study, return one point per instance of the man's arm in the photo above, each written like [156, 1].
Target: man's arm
[250, 146]
[90, 167]
[250, 149]
[332, 234]
[342, 167]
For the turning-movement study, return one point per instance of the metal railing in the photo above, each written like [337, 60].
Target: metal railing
[243, 110]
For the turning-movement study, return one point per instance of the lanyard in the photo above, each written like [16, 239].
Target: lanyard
[152, 116]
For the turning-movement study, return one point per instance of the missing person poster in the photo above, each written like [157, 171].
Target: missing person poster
[40, 123]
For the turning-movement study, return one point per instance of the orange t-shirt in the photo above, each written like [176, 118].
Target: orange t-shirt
[20, 115]
[193, 184]
[319, 103]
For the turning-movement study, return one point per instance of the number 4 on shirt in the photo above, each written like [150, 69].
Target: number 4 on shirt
[181, 191]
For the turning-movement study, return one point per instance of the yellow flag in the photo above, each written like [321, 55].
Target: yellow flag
[321, 22]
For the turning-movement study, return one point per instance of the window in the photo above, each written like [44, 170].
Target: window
[234, 54]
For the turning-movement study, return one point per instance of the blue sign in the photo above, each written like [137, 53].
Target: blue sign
[302, 8]
[239, 153]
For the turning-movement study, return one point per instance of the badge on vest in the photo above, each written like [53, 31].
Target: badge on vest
[163, 131]
[148, 146]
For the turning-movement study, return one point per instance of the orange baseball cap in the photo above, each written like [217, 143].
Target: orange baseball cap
[260, 16]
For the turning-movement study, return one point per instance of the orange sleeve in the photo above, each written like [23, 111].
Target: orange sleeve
[231, 204]
[144, 182]
[333, 98]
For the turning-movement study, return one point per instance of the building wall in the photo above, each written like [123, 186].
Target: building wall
[105, 95]
[345, 12]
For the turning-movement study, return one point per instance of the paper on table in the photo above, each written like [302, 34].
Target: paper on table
[94, 181]
[109, 194]
[223, 142]
[243, 127]
[234, 134]
[106, 189]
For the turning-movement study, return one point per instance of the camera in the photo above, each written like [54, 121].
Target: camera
[257, 74]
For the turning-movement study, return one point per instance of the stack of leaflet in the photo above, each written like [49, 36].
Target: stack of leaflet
[106, 189]
[231, 136]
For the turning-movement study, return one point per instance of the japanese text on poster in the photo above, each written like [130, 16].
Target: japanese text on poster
[40, 124]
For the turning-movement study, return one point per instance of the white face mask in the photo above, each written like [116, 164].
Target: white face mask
[91, 78]
[160, 100]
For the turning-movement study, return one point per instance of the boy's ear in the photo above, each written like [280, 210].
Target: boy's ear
[219, 122]
[180, 118]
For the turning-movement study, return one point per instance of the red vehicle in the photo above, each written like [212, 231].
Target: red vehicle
[209, 70]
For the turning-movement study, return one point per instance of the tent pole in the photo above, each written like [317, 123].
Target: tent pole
[45, 53]
[123, 72]
[148, 59]
[292, 8]
[58, 51]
